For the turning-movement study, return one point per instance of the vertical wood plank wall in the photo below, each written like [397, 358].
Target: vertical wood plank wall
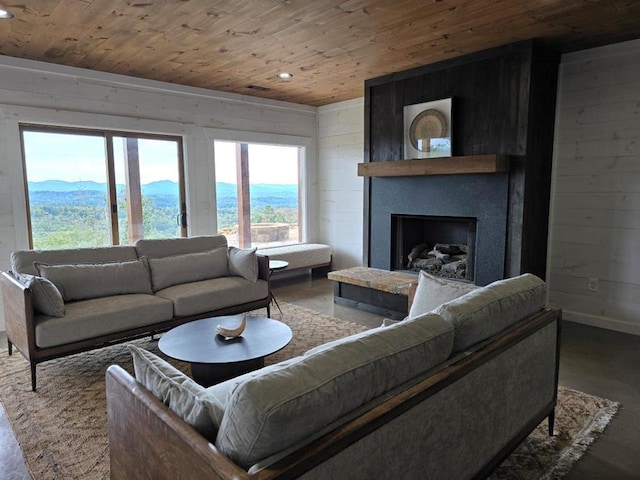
[595, 221]
[340, 141]
[36, 92]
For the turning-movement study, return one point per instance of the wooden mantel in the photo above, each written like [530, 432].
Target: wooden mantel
[435, 166]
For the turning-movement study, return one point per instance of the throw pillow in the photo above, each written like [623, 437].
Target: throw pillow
[434, 291]
[83, 281]
[187, 268]
[45, 295]
[243, 263]
[177, 391]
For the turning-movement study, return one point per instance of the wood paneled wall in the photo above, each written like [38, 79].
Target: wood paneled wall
[595, 226]
[503, 103]
[340, 141]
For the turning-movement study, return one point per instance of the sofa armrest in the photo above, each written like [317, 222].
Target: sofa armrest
[164, 446]
[263, 267]
[18, 314]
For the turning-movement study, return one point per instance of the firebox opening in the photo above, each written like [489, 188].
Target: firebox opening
[442, 246]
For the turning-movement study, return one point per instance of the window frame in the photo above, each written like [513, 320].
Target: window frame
[306, 171]
[108, 136]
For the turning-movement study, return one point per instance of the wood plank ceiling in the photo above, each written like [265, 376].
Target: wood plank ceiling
[330, 46]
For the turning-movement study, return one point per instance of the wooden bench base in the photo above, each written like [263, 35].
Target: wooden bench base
[374, 290]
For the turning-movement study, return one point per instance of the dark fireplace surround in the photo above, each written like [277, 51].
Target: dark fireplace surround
[483, 198]
[503, 104]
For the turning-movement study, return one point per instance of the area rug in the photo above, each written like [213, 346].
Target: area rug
[63, 433]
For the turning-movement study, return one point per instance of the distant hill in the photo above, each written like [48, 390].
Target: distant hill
[62, 186]
[258, 190]
[165, 192]
[164, 187]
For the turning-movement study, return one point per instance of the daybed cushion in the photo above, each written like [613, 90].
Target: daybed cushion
[188, 267]
[207, 295]
[167, 247]
[300, 255]
[274, 411]
[486, 311]
[22, 260]
[45, 296]
[101, 316]
[243, 263]
[434, 291]
[176, 390]
[83, 281]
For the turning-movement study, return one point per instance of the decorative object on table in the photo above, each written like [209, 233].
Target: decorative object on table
[428, 129]
[227, 332]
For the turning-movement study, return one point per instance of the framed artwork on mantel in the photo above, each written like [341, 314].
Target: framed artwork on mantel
[427, 129]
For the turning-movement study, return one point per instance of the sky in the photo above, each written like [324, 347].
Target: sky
[69, 157]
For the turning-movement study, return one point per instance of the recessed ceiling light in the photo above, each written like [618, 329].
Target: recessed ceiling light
[5, 14]
[284, 75]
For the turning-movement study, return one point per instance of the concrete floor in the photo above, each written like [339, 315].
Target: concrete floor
[596, 361]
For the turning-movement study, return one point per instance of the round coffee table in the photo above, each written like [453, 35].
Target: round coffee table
[214, 359]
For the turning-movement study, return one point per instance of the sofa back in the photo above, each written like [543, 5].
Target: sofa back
[168, 247]
[288, 404]
[22, 260]
[485, 312]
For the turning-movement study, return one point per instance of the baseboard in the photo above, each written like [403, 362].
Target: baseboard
[601, 322]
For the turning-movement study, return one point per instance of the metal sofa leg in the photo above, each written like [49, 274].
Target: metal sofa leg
[552, 419]
[9, 346]
[33, 377]
[269, 309]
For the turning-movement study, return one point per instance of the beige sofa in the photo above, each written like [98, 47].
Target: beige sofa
[60, 302]
[447, 393]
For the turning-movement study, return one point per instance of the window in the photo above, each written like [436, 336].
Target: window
[89, 188]
[258, 193]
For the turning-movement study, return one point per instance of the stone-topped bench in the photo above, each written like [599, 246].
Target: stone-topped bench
[374, 290]
[301, 256]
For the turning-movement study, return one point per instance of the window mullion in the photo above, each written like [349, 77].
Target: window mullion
[133, 189]
[244, 198]
[111, 190]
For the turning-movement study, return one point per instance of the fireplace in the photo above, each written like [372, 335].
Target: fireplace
[441, 245]
[481, 198]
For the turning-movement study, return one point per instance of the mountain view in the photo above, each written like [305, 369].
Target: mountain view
[65, 214]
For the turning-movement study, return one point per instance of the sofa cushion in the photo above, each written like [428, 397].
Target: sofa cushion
[101, 316]
[243, 263]
[83, 281]
[189, 267]
[207, 295]
[273, 411]
[45, 296]
[168, 247]
[175, 389]
[486, 311]
[434, 291]
[22, 260]
[217, 396]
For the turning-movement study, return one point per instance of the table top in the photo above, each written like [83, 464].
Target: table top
[198, 342]
[278, 265]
